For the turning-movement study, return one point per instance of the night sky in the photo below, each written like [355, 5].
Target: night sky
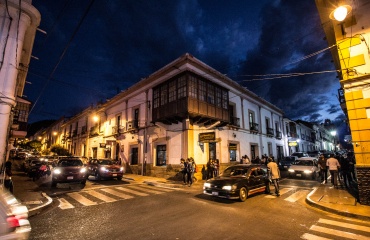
[95, 49]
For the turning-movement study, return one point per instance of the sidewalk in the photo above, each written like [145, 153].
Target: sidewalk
[337, 201]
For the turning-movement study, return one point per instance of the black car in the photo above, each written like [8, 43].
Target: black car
[238, 182]
[286, 162]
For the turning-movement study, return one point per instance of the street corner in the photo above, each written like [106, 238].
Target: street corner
[37, 206]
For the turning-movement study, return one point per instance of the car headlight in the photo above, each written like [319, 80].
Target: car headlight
[104, 169]
[207, 185]
[290, 170]
[229, 187]
[57, 171]
[121, 169]
[307, 171]
[83, 170]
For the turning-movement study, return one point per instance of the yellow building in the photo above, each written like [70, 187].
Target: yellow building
[347, 29]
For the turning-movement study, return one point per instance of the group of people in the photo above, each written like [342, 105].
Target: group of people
[213, 169]
[188, 168]
[341, 167]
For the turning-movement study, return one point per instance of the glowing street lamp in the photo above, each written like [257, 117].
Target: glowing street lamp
[340, 13]
[95, 118]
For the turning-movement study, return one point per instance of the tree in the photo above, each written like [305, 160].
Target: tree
[59, 150]
[34, 144]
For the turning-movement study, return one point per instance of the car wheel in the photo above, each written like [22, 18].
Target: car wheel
[267, 189]
[97, 176]
[243, 194]
[314, 176]
[53, 184]
[83, 182]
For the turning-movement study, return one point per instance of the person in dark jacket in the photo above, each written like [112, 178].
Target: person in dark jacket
[323, 169]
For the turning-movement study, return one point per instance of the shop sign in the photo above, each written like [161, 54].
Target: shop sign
[103, 145]
[233, 147]
[207, 137]
[293, 143]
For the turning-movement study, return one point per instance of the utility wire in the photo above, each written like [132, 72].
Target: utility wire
[63, 53]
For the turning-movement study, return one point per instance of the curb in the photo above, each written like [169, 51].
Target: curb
[332, 210]
[37, 210]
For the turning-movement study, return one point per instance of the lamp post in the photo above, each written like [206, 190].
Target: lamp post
[334, 133]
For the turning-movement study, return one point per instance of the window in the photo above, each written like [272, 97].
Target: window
[225, 99]
[211, 93]
[218, 97]
[202, 91]
[192, 87]
[163, 94]
[172, 91]
[232, 152]
[21, 112]
[134, 156]
[161, 155]
[156, 98]
[181, 91]
[251, 117]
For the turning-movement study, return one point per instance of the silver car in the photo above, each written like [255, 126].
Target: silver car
[14, 222]
[304, 167]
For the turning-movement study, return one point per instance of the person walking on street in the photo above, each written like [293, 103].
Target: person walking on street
[333, 166]
[183, 170]
[189, 172]
[275, 175]
[323, 169]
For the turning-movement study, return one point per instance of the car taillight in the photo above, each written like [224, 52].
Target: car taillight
[13, 222]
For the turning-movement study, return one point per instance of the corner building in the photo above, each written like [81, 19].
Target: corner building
[185, 109]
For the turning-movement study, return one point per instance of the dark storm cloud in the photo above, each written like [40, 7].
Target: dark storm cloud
[290, 31]
[120, 42]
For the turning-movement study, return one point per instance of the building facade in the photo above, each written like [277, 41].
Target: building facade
[349, 38]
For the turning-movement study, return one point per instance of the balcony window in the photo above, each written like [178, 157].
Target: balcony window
[181, 91]
[172, 91]
[193, 87]
[202, 91]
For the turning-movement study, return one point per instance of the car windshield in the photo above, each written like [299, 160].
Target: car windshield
[106, 162]
[303, 162]
[234, 171]
[69, 163]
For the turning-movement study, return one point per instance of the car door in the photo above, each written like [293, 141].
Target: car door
[256, 179]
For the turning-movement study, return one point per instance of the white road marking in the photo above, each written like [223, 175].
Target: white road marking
[308, 236]
[296, 196]
[81, 199]
[338, 233]
[100, 196]
[345, 225]
[157, 188]
[64, 204]
[116, 193]
[132, 191]
[146, 190]
[282, 191]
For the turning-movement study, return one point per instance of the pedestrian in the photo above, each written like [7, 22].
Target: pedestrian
[352, 162]
[8, 183]
[189, 172]
[183, 170]
[323, 169]
[210, 169]
[345, 168]
[275, 175]
[333, 166]
[216, 167]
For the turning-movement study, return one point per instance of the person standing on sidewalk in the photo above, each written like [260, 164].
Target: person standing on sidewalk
[183, 170]
[189, 172]
[275, 175]
[323, 169]
[333, 166]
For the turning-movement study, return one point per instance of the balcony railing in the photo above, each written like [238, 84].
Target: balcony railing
[234, 121]
[83, 130]
[94, 131]
[74, 133]
[278, 135]
[270, 131]
[253, 127]
[116, 130]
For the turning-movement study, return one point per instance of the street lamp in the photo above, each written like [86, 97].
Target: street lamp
[95, 118]
[341, 12]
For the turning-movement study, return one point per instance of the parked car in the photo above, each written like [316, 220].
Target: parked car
[104, 168]
[69, 169]
[238, 182]
[34, 167]
[305, 167]
[14, 222]
[315, 154]
[300, 154]
[285, 163]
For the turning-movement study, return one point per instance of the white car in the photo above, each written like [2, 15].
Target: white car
[304, 167]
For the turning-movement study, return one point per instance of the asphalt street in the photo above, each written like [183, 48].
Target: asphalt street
[103, 210]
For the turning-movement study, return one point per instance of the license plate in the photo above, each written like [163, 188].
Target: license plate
[70, 177]
[285, 166]
[114, 174]
[298, 174]
[215, 193]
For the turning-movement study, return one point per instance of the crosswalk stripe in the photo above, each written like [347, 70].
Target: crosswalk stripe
[308, 236]
[158, 188]
[282, 191]
[297, 195]
[146, 190]
[132, 191]
[64, 204]
[100, 196]
[116, 193]
[345, 225]
[81, 199]
[338, 233]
